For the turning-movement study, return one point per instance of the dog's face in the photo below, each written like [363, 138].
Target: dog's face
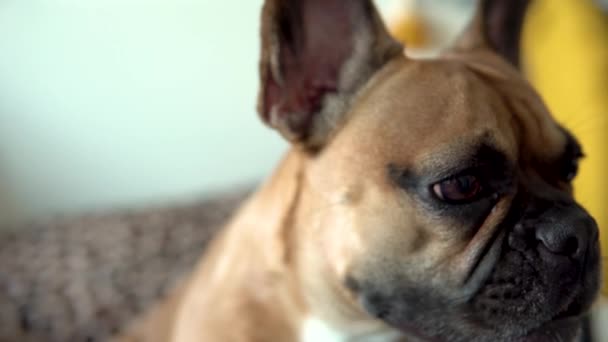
[439, 191]
[449, 210]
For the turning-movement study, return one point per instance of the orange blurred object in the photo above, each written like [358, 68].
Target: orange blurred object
[411, 29]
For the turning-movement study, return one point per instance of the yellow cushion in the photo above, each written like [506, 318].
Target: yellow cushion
[566, 57]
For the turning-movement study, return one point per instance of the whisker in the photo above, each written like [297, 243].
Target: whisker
[593, 130]
[584, 122]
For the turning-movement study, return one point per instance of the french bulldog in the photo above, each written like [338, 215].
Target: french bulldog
[421, 200]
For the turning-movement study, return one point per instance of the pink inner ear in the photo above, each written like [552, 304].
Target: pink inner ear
[316, 39]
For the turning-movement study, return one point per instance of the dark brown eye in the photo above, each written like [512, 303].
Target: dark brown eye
[458, 190]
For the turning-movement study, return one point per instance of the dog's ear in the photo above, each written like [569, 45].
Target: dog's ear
[316, 54]
[497, 25]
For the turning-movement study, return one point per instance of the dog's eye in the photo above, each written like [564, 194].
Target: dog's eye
[458, 190]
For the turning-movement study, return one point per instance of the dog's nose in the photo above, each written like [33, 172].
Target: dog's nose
[569, 234]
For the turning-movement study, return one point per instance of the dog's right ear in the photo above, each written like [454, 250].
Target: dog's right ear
[497, 25]
[316, 55]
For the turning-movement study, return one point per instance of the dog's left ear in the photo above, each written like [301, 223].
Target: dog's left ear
[497, 25]
[316, 55]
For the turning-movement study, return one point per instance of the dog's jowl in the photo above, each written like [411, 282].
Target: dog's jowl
[421, 199]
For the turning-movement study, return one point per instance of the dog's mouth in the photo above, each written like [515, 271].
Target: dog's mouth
[505, 280]
[567, 326]
[500, 299]
[530, 299]
[563, 329]
[499, 309]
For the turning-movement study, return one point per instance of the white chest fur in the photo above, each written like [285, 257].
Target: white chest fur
[316, 330]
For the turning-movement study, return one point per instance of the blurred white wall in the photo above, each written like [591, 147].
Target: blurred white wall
[108, 103]
[113, 103]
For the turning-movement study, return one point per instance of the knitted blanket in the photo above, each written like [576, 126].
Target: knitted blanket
[86, 278]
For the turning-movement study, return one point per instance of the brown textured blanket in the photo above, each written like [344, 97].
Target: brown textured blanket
[83, 279]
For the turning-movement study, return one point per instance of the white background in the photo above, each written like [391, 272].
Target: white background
[120, 103]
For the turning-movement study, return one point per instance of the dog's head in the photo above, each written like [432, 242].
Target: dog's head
[438, 192]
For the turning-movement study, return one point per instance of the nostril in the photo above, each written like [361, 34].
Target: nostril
[570, 246]
[560, 240]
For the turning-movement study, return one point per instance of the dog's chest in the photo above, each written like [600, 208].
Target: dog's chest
[316, 330]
